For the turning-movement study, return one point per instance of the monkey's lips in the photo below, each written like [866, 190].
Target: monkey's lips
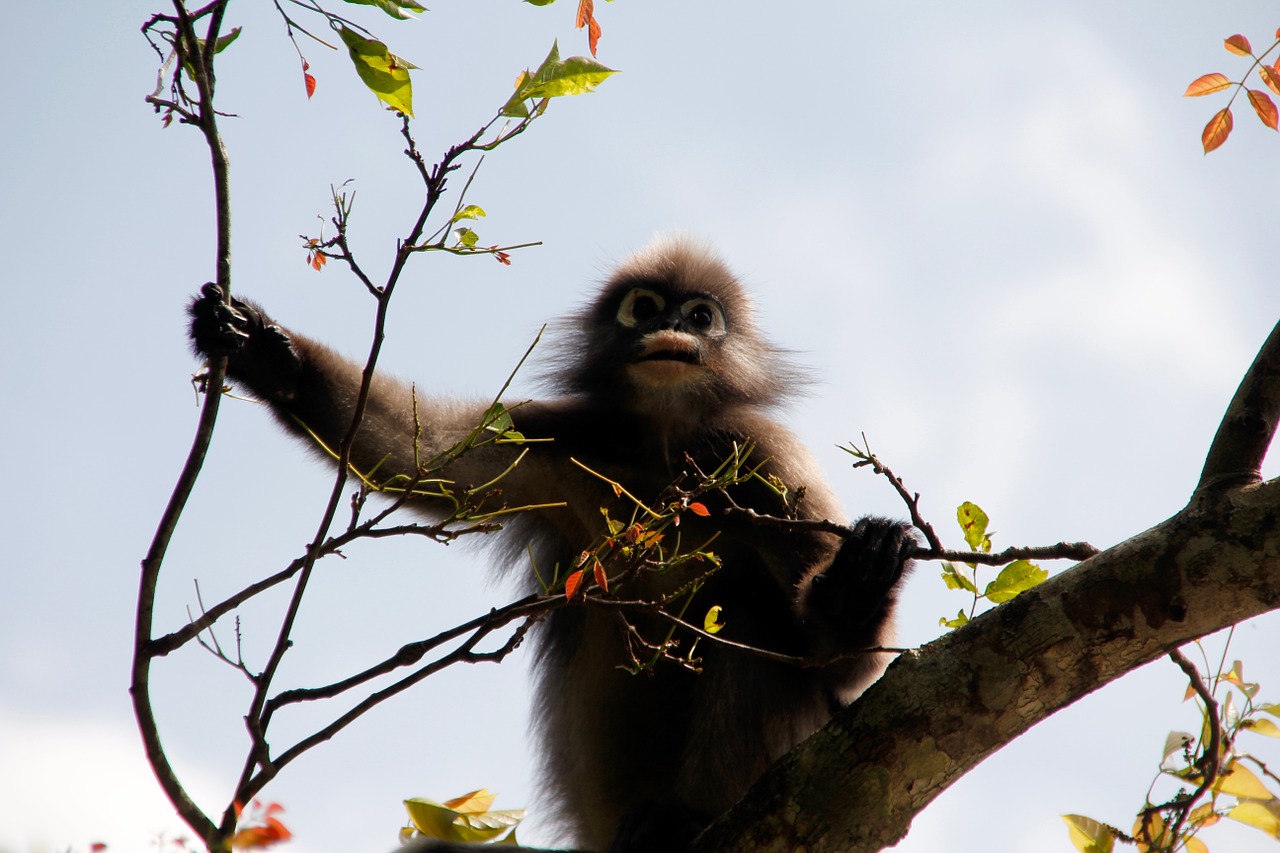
[667, 358]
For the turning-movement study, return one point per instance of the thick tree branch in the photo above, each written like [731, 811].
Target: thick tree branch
[856, 784]
[1240, 445]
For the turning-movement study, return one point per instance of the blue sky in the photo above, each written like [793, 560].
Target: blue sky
[989, 229]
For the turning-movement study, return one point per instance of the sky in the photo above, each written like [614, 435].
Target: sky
[988, 229]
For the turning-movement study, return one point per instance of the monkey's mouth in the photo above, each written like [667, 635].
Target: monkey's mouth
[682, 356]
[669, 346]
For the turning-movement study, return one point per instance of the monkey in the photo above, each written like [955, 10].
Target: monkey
[663, 372]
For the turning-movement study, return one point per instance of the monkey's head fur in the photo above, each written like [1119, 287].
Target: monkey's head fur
[673, 332]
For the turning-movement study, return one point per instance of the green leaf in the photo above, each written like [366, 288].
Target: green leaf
[958, 577]
[1018, 576]
[973, 521]
[471, 211]
[218, 47]
[959, 622]
[555, 78]
[467, 237]
[539, 2]
[386, 74]
[711, 622]
[1089, 835]
[394, 8]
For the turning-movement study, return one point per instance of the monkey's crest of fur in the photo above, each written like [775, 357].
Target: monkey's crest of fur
[745, 369]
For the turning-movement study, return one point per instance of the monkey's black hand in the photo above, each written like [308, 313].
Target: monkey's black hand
[856, 593]
[259, 351]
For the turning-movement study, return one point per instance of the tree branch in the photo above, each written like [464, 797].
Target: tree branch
[1236, 454]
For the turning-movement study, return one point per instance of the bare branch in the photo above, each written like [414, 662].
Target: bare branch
[1240, 445]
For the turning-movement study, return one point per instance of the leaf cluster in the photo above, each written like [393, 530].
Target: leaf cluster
[1221, 124]
[1212, 776]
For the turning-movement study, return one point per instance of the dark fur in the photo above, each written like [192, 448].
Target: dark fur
[635, 763]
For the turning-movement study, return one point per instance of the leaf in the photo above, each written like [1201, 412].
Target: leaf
[480, 800]
[1217, 130]
[973, 521]
[465, 819]
[1264, 107]
[1089, 835]
[602, 579]
[959, 622]
[471, 211]
[394, 8]
[1176, 742]
[1239, 781]
[711, 623]
[555, 78]
[1239, 45]
[1194, 845]
[539, 2]
[699, 509]
[1271, 77]
[958, 577]
[1263, 816]
[572, 583]
[384, 73]
[587, 18]
[1019, 576]
[1262, 727]
[1207, 85]
[308, 80]
[219, 46]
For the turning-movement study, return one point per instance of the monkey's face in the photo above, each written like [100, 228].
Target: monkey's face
[672, 338]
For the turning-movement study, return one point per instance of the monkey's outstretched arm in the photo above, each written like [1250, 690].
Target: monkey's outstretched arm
[312, 391]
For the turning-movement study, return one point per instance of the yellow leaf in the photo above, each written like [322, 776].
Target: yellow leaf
[1263, 727]
[1263, 816]
[1207, 85]
[1271, 77]
[1088, 835]
[1217, 130]
[474, 802]
[1238, 44]
[1195, 845]
[1239, 781]
[711, 622]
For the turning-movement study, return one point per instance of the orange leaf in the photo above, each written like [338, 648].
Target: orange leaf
[1239, 45]
[1265, 108]
[601, 580]
[698, 509]
[1271, 77]
[1217, 130]
[1207, 85]
[587, 18]
[310, 83]
[572, 583]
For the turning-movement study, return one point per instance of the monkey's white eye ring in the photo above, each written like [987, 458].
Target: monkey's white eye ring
[639, 305]
[705, 315]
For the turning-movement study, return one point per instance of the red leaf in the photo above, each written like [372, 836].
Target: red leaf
[602, 580]
[1217, 130]
[97, 847]
[572, 583]
[587, 18]
[1207, 85]
[1271, 77]
[1239, 45]
[310, 83]
[698, 509]
[1264, 107]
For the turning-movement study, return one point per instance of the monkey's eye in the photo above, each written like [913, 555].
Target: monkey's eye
[705, 315]
[639, 306]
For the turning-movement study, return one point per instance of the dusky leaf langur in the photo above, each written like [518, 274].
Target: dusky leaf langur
[666, 366]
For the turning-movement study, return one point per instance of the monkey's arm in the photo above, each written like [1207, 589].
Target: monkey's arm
[312, 391]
